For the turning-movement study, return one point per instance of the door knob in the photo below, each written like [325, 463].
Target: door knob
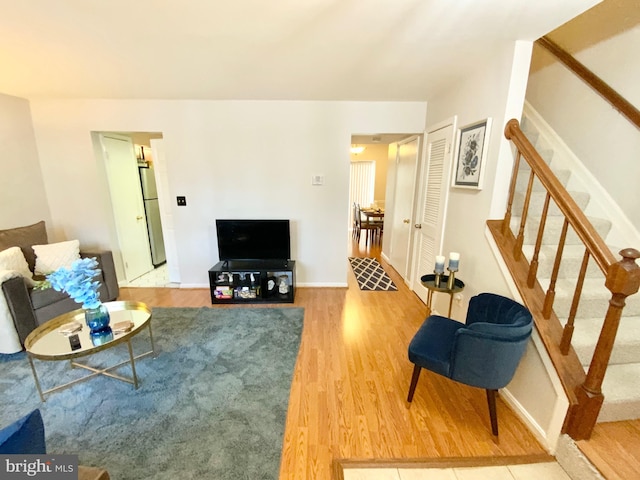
[418, 225]
[406, 220]
[139, 217]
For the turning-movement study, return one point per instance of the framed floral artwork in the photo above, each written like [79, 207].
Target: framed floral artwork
[471, 154]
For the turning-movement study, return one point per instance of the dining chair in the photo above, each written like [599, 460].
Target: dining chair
[370, 228]
[483, 352]
[355, 225]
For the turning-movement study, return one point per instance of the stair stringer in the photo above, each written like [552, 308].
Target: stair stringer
[541, 406]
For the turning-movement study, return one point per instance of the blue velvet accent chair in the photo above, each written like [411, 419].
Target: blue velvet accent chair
[484, 352]
[24, 436]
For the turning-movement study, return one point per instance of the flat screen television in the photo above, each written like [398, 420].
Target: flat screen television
[253, 239]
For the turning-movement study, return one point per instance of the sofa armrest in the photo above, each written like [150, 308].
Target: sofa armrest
[18, 300]
[105, 263]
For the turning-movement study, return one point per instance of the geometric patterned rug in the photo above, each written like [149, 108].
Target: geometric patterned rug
[371, 275]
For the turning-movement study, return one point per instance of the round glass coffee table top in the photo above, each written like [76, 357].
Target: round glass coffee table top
[47, 343]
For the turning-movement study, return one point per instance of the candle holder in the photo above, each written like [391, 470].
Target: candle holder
[437, 278]
[451, 281]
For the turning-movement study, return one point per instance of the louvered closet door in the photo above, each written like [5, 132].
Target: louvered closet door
[434, 191]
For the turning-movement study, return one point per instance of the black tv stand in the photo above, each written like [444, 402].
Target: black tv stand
[253, 281]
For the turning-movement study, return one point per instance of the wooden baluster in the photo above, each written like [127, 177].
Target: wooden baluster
[567, 332]
[533, 268]
[551, 292]
[512, 189]
[623, 279]
[517, 250]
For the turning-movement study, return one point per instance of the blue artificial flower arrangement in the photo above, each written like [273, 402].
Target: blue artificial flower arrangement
[78, 282]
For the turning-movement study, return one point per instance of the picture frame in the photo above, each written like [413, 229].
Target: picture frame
[471, 153]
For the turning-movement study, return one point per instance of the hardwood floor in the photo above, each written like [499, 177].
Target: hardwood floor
[614, 448]
[349, 388]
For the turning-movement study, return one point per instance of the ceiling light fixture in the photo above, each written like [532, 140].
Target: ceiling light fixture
[355, 149]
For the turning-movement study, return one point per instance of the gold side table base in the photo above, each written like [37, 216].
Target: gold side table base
[429, 282]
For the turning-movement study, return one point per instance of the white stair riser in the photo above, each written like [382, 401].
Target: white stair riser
[620, 389]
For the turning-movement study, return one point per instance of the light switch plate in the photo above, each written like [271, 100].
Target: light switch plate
[317, 180]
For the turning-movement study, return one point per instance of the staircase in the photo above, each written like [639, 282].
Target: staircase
[621, 387]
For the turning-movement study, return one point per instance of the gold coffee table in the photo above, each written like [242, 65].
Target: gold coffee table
[47, 343]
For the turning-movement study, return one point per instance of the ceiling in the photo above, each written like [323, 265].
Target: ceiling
[382, 50]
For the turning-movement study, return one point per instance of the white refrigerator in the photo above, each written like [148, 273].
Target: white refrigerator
[152, 211]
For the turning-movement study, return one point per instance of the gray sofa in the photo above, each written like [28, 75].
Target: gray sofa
[31, 307]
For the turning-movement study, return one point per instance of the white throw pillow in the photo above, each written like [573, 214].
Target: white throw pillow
[52, 256]
[13, 259]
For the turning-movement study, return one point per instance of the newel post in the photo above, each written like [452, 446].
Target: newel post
[623, 279]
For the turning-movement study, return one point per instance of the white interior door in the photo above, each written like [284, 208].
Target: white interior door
[434, 192]
[128, 209]
[402, 219]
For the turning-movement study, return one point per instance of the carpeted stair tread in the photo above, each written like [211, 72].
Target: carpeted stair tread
[620, 388]
[553, 228]
[587, 331]
[537, 199]
[569, 266]
[523, 180]
[594, 300]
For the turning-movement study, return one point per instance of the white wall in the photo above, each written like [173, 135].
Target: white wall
[603, 140]
[495, 90]
[230, 159]
[22, 195]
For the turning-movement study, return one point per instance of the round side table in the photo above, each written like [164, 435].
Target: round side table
[428, 281]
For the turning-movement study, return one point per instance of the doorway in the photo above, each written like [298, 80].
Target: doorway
[379, 151]
[130, 166]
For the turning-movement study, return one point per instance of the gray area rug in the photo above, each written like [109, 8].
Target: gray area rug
[211, 405]
[371, 275]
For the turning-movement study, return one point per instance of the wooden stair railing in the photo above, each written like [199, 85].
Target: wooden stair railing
[616, 100]
[622, 278]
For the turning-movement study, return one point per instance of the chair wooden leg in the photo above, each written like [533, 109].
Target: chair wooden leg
[414, 382]
[493, 413]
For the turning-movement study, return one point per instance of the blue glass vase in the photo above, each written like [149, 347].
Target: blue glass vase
[97, 318]
[100, 337]
[98, 322]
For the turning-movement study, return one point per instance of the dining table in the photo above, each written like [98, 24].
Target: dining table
[373, 214]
